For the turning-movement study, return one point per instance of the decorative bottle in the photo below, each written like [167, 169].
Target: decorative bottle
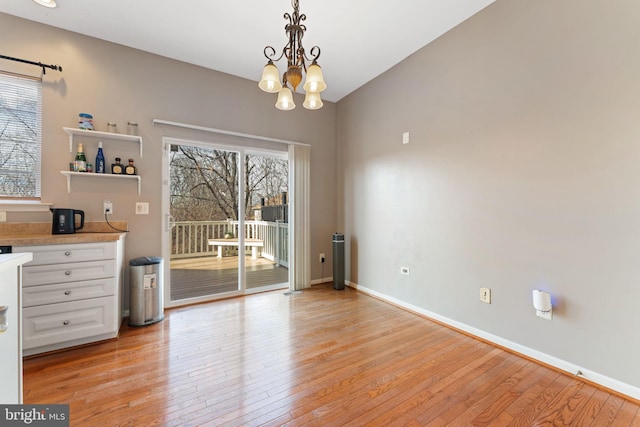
[116, 168]
[130, 169]
[132, 128]
[80, 163]
[100, 166]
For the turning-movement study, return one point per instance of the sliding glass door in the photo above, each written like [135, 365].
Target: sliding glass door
[226, 221]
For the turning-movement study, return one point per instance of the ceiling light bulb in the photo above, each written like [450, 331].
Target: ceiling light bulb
[270, 81]
[312, 101]
[46, 3]
[315, 81]
[285, 99]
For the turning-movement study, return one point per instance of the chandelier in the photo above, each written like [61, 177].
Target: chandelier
[296, 63]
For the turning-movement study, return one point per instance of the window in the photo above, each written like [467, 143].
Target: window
[20, 137]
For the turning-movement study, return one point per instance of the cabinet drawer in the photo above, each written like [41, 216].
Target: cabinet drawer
[67, 321]
[56, 254]
[64, 273]
[63, 292]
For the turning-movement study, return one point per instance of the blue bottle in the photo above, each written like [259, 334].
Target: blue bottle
[100, 168]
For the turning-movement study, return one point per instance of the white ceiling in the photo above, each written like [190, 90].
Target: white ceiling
[359, 39]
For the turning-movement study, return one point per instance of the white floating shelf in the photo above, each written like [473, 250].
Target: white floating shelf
[69, 174]
[104, 135]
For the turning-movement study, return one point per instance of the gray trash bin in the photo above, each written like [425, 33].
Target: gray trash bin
[147, 300]
[338, 261]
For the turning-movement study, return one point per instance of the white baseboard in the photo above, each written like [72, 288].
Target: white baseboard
[322, 280]
[563, 365]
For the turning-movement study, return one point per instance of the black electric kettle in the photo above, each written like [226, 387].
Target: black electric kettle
[64, 221]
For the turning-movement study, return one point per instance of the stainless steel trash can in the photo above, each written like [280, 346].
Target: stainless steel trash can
[338, 261]
[147, 300]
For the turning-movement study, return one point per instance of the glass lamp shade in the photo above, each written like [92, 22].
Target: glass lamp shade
[315, 81]
[46, 3]
[285, 99]
[270, 81]
[312, 101]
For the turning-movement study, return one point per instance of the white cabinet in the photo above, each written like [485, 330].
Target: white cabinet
[72, 295]
[10, 328]
[54, 326]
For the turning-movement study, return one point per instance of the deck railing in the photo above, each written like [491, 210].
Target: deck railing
[190, 239]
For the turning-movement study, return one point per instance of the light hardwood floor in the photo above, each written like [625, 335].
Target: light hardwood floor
[321, 357]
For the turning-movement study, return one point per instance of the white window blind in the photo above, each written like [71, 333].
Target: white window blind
[20, 136]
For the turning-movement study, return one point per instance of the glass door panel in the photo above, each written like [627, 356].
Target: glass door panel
[204, 204]
[266, 221]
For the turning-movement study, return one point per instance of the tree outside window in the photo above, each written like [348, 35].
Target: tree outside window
[204, 183]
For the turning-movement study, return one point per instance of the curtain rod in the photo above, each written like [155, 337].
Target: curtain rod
[226, 132]
[39, 64]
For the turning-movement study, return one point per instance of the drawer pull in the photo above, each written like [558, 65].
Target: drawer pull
[67, 292]
[65, 323]
[67, 273]
[67, 253]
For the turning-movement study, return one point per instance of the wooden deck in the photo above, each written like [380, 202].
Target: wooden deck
[196, 277]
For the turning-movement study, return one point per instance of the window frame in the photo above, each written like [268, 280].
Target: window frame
[28, 83]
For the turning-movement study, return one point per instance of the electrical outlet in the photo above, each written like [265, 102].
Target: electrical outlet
[485, 295]
[405, 138]
[321, 258]
[547, 315]
[404, 270]
[142, 208]
[3, 217]
[107, 207]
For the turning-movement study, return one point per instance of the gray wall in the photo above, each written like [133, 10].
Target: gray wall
[522, 173]
[119, 84]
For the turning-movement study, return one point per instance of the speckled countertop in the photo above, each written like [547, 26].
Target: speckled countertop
[39, 233]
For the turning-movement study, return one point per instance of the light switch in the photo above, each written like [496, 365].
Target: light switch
[142, 208]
